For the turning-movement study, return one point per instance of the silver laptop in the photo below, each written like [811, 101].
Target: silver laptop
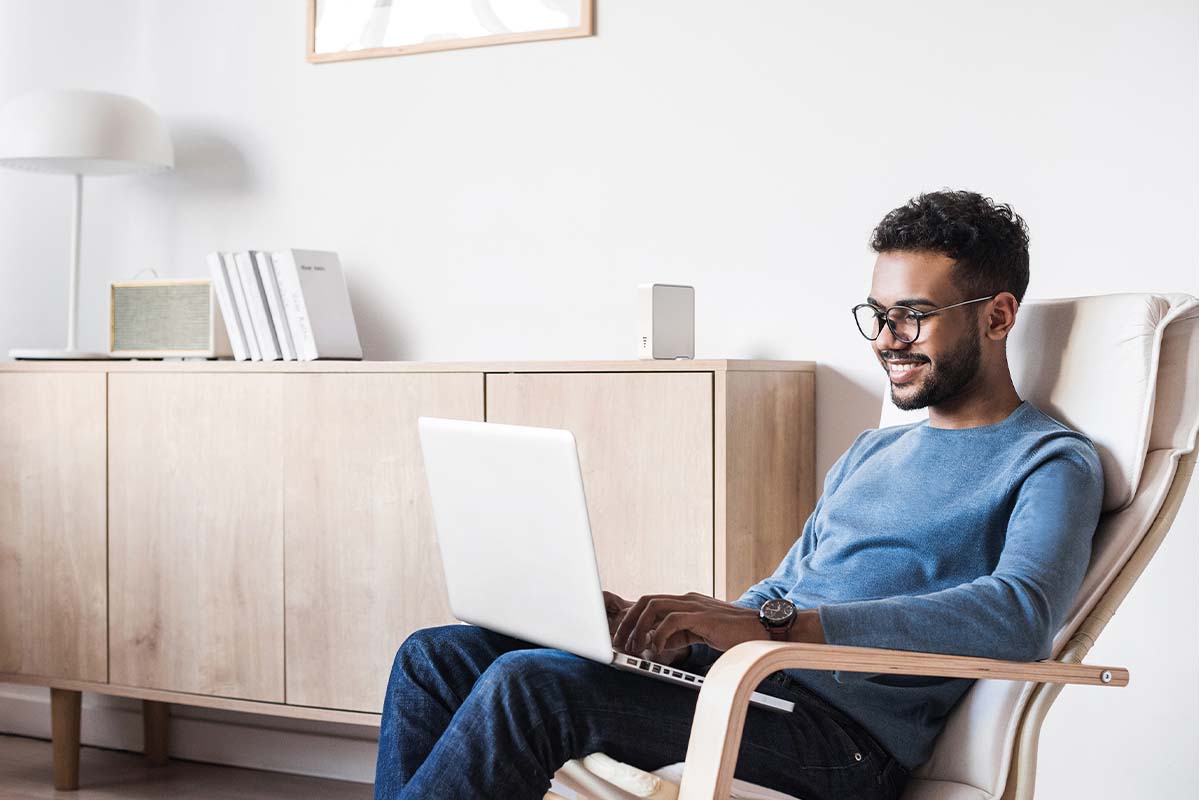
[512, 527]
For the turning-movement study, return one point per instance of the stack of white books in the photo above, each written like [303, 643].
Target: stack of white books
[289, 305]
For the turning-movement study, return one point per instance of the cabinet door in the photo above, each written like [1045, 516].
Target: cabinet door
[196, 533]
[646, 451]
[52, 572]
[363, 566]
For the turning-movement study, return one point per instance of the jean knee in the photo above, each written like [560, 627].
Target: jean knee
[539, 673]
[430, 644]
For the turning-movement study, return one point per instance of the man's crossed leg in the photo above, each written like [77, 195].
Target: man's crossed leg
[474, 714]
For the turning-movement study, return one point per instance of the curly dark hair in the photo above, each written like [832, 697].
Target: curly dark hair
[989, 242]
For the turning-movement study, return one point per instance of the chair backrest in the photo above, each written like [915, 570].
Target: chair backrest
[1121, 369]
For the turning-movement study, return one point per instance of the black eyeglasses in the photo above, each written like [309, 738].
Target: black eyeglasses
[904, 322]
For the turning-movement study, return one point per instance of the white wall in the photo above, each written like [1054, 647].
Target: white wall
[502, 203]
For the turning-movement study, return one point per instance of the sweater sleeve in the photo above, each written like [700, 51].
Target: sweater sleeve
[784, 578]
[777, 585]
[1014, 612]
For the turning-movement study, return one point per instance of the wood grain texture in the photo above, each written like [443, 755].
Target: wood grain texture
[156, 720]
[196, 533]
[724, 700]
[363, 566]
[645, 450]
[65, 717]
[219, 471]
[199, 700]
[765, 472]
[222, 367]
[52, 525]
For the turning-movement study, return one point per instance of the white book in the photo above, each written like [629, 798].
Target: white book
[294, 313]
[266, 276]
[257, 301]
[313, 287]
[243, 308]
[233, 325]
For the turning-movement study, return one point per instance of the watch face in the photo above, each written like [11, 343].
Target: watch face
[778, 610]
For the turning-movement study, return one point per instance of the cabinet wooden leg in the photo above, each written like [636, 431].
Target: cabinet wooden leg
[155, 717]
[64, 734]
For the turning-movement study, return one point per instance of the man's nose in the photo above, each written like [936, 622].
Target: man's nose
[887, 341]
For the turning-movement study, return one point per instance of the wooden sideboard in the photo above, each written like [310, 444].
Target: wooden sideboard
[257, 536]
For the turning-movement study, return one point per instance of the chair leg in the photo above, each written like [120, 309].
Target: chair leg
[64, 736]
[155, 717]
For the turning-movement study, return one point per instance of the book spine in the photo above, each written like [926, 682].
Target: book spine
[243, 308]
[291, 314]
[266, 276]
[233, 325]
[288, 276]
[258, 306]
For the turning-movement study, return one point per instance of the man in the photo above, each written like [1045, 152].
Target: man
[967, 534]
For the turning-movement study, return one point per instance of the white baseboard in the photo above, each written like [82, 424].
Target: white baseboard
[320, 749]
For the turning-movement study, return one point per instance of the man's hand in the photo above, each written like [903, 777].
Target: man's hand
[662, 626]
[615, 607]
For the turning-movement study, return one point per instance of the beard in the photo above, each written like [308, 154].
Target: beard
[947, 377]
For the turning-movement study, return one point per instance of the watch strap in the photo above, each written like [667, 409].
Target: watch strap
[779, 634]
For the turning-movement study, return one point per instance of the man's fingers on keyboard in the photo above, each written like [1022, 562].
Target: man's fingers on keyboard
[679, 629]
[645, 614]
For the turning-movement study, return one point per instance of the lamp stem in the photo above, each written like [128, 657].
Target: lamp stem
[73, 299]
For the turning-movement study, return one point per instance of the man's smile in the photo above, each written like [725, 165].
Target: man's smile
[902, 370]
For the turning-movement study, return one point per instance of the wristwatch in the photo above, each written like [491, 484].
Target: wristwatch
[777, 616]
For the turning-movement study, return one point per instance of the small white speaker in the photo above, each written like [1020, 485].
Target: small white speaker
[166, 319]
[667, 321]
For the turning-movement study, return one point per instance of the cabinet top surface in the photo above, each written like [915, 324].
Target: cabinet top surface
[225, 365]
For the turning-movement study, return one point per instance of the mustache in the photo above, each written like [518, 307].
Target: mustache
[898, 355]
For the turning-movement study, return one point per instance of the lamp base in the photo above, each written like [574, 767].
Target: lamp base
[57, 355]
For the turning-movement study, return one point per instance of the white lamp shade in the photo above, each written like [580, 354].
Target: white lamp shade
[83, 133]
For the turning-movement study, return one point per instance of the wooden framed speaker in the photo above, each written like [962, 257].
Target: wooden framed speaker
[177, 318]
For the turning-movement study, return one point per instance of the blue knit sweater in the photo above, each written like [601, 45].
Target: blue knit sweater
[968, 542]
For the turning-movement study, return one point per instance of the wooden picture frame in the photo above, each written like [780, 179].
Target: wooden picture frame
[586, 27]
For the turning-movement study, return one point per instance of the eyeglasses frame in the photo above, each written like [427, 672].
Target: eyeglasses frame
[918, 314]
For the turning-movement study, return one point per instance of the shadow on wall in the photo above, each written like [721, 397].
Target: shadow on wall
[857, 408]
[207, 165]
[844, 410]
[379, 333]
[205, 161]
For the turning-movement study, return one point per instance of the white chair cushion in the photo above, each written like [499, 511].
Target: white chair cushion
[741, 789]
[916, 790]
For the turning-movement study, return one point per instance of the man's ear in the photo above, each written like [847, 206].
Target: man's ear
[1002, 315]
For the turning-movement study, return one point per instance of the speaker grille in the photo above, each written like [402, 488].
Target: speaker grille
[167, 317]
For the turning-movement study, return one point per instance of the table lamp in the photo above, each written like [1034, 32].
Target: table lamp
[80, 133]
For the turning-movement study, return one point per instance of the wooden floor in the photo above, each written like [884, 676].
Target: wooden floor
[25, 774]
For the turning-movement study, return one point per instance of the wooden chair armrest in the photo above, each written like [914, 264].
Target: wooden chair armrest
[724, 698]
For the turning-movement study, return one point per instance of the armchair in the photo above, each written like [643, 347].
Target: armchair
[1064, 355]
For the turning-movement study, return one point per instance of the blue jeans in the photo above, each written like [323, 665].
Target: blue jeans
[470, 713]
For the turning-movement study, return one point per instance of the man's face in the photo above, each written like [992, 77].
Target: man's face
[945, 357]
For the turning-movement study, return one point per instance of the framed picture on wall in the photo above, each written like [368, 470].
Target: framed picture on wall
[344, 29]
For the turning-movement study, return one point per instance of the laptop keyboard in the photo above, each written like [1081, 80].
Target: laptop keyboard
[635, 664]
[656, 669]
